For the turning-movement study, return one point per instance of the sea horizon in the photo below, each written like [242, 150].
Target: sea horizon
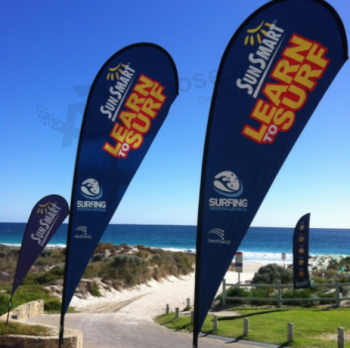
[260, 244]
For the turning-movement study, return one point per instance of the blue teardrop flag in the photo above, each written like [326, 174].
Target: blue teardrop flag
[272, 76]
[128, 102]
[45, 219]
[301, 253]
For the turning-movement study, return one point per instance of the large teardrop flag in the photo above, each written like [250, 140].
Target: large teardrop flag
[273, 74]
[128, 102]
[45, 219]
[301, 253]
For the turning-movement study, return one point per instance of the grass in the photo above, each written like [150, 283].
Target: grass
[22, 329]
[28, 293]
[312, 327]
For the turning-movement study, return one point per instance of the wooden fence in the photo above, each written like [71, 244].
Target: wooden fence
[279, 299]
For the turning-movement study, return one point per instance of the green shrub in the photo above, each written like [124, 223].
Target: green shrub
[97, 257]
[236, 292]
[313, 303]
[320, 280]
[325, 296]
[52, 305]
[95, 290]
[346, 290]
[302, 293]
[4, 303]
[44, 278]
[271, 273]
[143, 254]
[131, 270]
[101, 247]
[260, 293]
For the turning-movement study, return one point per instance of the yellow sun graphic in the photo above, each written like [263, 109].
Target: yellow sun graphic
[43, 208]
[250, 37]
[115, 71]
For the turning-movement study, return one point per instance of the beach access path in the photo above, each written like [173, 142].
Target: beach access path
[118, 330]
[125, 319]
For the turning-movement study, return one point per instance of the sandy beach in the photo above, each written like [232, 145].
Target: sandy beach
[150, 300]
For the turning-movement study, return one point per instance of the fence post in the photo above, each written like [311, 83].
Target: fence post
[245, 327]
[290, 332]
[192, 317]
[224, 292]
[337, 296]
[188, 303]
[215, 322]
[167, 309]
[341, 340]
[279, 294]
[177, 312]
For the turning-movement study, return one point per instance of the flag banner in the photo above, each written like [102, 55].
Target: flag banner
[127, 104]
[301, 253]
[45, 219]
[272, 76]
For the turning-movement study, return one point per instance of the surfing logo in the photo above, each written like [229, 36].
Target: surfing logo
[90, 189]
[227, 184]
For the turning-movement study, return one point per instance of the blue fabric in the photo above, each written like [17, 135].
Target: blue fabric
[128, 102]
[258, 112]
[45, 219]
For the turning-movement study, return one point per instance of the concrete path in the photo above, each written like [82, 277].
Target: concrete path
[118, 330]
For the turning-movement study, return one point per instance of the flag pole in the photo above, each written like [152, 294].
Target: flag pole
[8, 312]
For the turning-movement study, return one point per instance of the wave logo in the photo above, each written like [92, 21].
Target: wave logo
[220, 233]
[82, 229]
[227, 184]
[256, 31]
[90, 189]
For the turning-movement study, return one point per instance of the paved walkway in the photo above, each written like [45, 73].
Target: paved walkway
[117, 330]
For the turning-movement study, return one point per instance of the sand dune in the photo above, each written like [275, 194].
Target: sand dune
[150, 300]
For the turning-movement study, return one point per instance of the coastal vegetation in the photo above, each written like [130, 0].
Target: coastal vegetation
[313, 328]
[113, 266]
[22, 329]
[270, 274]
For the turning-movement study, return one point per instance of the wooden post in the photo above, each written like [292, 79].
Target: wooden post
[337, 295]
[215, 322]
[167, 309]
[290, 332]
[188, 303]
[279, 294]
[224, 292]
[177, 312]
[341, 341]
[245, 327]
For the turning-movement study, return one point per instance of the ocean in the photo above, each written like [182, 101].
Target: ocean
[260, 244]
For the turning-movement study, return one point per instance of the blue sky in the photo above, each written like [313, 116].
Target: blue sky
[50, 54]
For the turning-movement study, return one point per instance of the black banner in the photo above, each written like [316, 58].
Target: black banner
[301, 253]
